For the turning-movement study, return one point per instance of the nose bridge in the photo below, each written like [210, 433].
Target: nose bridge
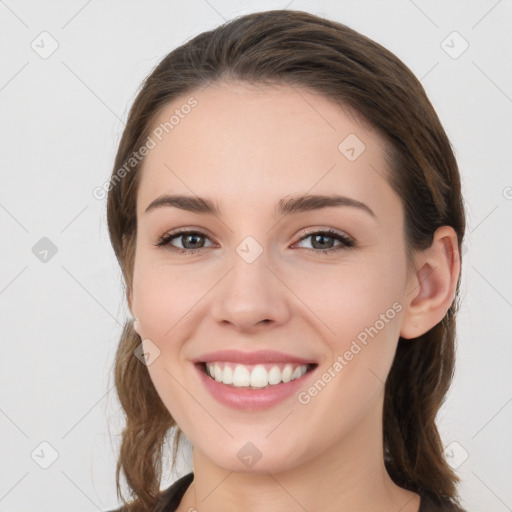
[250, 292]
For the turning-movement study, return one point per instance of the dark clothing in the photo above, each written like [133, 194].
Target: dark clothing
[171, 497]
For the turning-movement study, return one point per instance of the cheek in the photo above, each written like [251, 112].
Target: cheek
[359, 309]
[363, 309]
[347, 299]
[163, 297]
[167, 378]
[163, 300]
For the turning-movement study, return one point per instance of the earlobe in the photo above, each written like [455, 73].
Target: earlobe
[130, 307]
[433, 285]
[136, 325]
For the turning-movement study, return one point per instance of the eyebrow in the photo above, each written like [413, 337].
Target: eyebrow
[285, 206]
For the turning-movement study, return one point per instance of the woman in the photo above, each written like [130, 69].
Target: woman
[286, 210]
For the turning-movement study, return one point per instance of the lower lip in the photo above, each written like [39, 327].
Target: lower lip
[252, 399]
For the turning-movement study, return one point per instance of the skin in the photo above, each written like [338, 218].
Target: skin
[247, 147]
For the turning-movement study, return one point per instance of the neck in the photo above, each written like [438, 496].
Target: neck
[349, 476]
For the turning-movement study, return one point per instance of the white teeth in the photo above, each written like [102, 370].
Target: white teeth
[227, 375]
[217, 373]
[287, 373]
[274, 375]
[241, 376]
[296, 373]
[259, 377]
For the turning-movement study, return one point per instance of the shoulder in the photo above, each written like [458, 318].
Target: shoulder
[170, 498]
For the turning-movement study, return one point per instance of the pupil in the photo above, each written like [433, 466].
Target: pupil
[323, 245]
[188, 237]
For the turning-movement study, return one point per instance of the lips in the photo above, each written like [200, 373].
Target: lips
[250, 358]
[252, 380]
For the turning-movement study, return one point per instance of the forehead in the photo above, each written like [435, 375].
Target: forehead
[257, 143]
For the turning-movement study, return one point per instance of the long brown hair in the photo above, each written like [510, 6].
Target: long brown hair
[300, 49]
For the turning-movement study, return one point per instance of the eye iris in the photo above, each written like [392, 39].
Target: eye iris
[321, 237]
[187, 238]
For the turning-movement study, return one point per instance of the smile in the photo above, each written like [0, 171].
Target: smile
[253, 381]
[255, 376]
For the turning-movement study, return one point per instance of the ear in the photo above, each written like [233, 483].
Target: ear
[432, 285]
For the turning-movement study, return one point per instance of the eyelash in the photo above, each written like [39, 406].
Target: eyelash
[346, 241]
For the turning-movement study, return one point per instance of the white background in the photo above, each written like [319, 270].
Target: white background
[61, 119]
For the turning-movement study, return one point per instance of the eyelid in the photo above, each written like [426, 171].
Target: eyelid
[304, 233]
[346, 241]
[165, 239]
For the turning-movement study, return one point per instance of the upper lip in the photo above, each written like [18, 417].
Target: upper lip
[260, 356]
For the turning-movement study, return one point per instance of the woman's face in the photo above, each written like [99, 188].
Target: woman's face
[259, 291]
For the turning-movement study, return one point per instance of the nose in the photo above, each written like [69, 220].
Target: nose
[251, 297]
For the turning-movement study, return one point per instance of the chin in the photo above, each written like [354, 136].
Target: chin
[255, 457]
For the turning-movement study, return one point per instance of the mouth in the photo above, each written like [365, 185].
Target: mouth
[253, 381]
[254, 376]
